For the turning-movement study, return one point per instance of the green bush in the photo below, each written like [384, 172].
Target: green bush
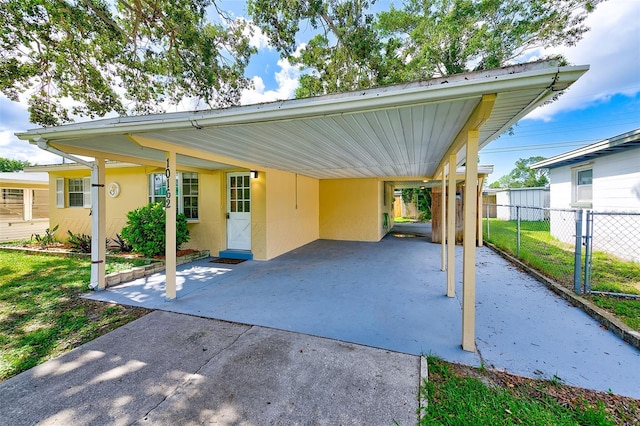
[145, 229]
[80, 243]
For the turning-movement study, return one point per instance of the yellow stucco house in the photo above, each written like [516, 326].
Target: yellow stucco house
[265, 179]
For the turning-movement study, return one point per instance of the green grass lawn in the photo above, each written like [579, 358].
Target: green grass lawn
[459, 395]
[41, 315]
[555, 259]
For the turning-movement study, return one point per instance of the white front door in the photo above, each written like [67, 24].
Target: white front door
[238, 211]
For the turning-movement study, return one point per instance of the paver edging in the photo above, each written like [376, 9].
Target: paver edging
[127, 275]
[619, 328]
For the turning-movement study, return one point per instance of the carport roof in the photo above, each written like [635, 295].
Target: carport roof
[399, 132]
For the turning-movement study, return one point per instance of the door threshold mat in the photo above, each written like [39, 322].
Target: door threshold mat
[228, 261]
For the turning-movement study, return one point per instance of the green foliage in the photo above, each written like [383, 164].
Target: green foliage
[7, 165]
[523, 176]
[123, 246]
[48, 238]
[357, 49]
[80, 243]
[457, 400]
[42, 313]
[421, 197]
[121, 56]
[145, 229]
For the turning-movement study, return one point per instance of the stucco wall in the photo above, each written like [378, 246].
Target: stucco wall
[292, 210]
[350, 209]
[208, 233]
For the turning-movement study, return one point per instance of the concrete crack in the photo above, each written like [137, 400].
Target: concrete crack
[189, 378]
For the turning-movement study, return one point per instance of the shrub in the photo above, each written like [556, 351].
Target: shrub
[123, 245]
[48, 238]
[80, 243]
[145, 229]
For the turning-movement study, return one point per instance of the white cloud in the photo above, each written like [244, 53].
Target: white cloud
[257, 38]
[287, 79]
[612, 49]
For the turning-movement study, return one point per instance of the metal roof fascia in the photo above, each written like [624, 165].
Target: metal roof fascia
[586, 150]
[318, 106]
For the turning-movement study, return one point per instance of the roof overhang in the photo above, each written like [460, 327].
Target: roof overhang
[399, 132]
[609, 146]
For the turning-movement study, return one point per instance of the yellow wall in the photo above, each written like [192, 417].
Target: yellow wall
[352, 209]
[208, 233]
[292, 208]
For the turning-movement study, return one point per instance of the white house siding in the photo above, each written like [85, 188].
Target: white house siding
[524, 197]
[616, 188]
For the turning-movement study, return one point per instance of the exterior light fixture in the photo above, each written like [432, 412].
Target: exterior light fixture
[253, 174]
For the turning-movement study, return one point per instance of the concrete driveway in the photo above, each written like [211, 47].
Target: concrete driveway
[173, 369]
[327, 334]
[391, 295]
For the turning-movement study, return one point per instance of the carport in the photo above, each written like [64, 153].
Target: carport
[404, 134]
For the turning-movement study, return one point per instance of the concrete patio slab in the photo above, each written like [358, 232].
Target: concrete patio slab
[167, 368]
[391, 295]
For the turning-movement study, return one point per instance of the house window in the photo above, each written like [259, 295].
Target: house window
[189, 204]
[186, 191]
[78, 192]
[12, 203]
[583, 186]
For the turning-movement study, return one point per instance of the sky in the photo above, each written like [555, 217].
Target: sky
[603, 103]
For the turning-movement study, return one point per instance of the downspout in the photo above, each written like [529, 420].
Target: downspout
[95, 203]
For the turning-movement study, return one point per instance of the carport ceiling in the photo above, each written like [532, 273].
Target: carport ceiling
[400, 131]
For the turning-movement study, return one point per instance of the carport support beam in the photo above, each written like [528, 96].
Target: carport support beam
[443, 220]
[451, 228]
[170, 236]
[469, 244]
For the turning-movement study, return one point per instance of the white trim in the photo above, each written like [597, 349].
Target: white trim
[60, 193]
[86, 197]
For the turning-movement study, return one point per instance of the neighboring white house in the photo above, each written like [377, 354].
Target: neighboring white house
[603, 177]
[24, 205]
[537, 197]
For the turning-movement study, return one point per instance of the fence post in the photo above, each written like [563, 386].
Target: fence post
[577, 262]
[488, 222]
[518, 231]
[587, 252]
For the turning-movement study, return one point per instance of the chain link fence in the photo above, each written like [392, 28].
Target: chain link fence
[612, 251]
[588, 251]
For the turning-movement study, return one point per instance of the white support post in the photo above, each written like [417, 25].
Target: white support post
[480, 201]
[469, 244]
[170, 236]
[443, 219]
[98, 225]
[451, 229]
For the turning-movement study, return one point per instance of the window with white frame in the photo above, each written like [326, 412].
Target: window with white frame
[583, 185]
[186, 191]
[78, 192]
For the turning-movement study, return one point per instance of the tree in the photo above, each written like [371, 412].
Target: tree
[95, 57]
[344, 55]
[421, 198]
[523, 176]
[424, 39]
[7, 165]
